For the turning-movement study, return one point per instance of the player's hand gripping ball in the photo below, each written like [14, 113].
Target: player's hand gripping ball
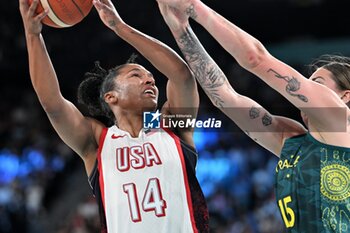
[64, 13]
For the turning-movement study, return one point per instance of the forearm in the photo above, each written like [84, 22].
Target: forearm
[247, 50]
[42, 74]
[73, 128]
[159, 54]
[206, 71]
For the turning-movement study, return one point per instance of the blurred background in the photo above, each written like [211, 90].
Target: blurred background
[43, 184]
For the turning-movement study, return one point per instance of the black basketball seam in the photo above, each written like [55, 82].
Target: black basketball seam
[81, 12]
[53, 12]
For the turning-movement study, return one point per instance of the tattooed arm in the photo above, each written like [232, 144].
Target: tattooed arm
[254, 57]
[268, 130]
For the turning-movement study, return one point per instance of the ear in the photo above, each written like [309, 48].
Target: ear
[111, 97]
[346, 96]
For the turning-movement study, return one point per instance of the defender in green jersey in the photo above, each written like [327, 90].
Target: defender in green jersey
[313, 174]
[313, 186]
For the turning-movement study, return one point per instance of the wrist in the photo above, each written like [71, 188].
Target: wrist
[117, 26]
[177, 27]
[32, 36]
[197, 10]
[180, 31]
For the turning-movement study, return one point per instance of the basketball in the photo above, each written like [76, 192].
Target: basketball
[64, 13]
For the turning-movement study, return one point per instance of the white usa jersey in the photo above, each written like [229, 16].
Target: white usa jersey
[147, 184]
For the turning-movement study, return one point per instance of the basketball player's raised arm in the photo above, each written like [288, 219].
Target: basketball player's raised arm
[259, 124]
[182, 92]
[159, 54]
[74, 129]
[254, 57]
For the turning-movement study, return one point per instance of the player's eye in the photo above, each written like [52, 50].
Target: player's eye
[136, 75]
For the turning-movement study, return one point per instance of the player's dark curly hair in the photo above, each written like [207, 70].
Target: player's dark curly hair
[91, 90]
[338, 65]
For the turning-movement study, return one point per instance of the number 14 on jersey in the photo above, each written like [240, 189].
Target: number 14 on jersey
[152, 200]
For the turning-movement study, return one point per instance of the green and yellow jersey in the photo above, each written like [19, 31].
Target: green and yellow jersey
[313, 186]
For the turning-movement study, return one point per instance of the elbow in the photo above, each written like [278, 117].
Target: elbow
[255, 55]
[184, 74]
[48, 107]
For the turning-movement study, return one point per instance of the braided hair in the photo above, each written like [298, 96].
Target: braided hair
[96, 84]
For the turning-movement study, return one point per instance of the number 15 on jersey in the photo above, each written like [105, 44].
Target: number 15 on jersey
[287, 212]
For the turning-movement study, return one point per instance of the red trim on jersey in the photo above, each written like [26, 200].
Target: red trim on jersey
[188, 192]
[99, 167]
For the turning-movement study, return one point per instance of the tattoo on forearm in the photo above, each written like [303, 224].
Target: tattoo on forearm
[112, 23]
[208, 74]
[266, 119]
[191, 12]
[254, 113]
[247, 132]
[293, 85]
[348, 120]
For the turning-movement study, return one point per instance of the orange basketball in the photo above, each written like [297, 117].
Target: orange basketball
[64, 13]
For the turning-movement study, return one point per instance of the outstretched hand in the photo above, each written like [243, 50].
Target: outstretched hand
[174, 18]
[107, 13]
[31, 20]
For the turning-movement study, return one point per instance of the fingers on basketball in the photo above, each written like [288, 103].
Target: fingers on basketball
[61, 13]
[42, 15]
[32, 8]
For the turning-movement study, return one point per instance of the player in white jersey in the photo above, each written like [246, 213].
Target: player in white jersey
[153, 178]
[144, 181]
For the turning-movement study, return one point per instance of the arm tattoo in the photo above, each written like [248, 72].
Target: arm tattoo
[348, 120]
[208, 74]
[254, 113]
[247, 132]
[191, 12]
[292, 86]
[112, 23]
[266, 119]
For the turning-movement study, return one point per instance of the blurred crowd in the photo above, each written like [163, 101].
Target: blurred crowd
[31, 159]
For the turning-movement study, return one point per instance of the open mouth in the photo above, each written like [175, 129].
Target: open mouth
[149, 91]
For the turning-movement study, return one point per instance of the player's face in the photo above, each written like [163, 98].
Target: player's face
[136, 88]
[323, 77]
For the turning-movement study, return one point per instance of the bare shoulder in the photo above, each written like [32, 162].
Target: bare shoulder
[339, 137]
[184, 134]
[90, 154]
[291, 128]
[93, 143]
[97, 128]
